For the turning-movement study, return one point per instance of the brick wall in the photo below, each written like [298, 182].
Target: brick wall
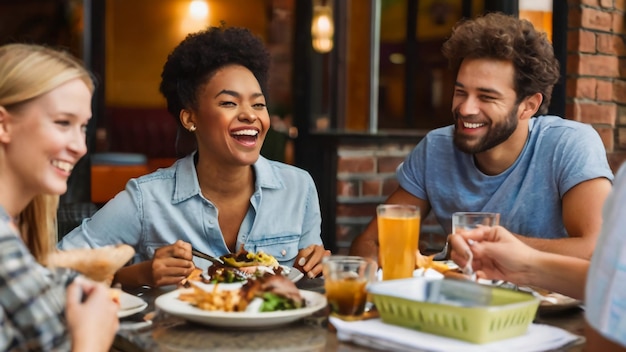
[596, 71]
[365, 177]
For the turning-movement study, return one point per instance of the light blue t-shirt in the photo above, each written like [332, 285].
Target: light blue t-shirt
[605, 296]
[558, 155]
[157, 209]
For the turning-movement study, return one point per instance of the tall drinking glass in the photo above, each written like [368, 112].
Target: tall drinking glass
[398, 236]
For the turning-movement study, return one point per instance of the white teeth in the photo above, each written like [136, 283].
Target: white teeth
[246, 133]
[63, 165]
[472, 125]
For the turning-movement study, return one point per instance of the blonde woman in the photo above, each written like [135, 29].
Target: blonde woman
[45, 104]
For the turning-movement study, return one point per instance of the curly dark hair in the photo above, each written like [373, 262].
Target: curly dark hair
[200, 55]
[499, 36]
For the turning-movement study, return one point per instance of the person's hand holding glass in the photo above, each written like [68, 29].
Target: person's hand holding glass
[462, 223]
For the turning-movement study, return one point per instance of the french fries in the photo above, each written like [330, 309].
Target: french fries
[217, 299]
[427, 262]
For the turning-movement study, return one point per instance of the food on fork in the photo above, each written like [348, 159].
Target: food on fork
[267, 293]
[244, 259]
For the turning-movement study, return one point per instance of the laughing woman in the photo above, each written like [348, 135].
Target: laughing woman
[224, 196]
[45, 104]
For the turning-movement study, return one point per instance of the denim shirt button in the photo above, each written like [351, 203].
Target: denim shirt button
[283, 252]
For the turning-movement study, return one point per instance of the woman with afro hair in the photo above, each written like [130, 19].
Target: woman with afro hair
[223, 196]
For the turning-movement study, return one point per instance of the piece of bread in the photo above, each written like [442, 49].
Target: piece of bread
[98, 264]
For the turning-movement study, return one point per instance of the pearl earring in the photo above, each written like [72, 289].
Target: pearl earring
[192, 128]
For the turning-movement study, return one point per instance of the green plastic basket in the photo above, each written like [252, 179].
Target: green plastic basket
[462, 310]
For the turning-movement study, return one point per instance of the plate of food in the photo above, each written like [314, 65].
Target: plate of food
[130, 305]
[549, 302]
[243, 265]
[265, 302]
[552, 302]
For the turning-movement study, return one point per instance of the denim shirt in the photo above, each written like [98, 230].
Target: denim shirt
[157, 209]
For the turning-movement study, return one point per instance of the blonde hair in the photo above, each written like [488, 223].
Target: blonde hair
[28, 71]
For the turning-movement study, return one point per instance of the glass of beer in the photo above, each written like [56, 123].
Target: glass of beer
[345, 280]
[398, 236]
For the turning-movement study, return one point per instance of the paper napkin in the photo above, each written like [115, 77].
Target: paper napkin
[374, 333]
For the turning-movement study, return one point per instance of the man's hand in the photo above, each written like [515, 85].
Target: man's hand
[309, 260]
[171, 264]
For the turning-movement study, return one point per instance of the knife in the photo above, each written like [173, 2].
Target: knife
[210, 258]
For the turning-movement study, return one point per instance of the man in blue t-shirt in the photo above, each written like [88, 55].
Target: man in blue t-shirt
[548, 177]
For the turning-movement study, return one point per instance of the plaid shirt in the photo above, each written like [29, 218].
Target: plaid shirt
[32, 298]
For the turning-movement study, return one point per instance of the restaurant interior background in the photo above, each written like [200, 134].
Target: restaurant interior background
[354, 85]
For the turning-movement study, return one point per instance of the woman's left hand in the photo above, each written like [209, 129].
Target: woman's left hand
[309, 260]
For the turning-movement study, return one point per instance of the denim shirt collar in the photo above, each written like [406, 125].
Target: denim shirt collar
[187, 184]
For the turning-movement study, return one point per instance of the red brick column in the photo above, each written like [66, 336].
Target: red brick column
[596, 71]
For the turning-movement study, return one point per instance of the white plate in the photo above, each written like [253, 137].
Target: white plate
[555, 302]
[550, 302]
[294, 274]
[170, 303]
[130, 305]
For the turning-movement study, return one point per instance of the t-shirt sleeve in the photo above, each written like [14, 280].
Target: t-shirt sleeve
[580, 156]
[411, 172]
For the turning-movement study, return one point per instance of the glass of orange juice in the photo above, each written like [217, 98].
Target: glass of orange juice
[398, 236]
[345, 280]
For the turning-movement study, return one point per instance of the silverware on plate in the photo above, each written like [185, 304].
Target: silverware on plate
[202, 255]
[218, 261]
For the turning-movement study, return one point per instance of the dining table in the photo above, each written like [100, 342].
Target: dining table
[154, 330]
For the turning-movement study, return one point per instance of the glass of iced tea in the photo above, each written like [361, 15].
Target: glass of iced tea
[345, 280]
[398, 236]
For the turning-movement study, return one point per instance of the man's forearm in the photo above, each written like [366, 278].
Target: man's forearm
[572, 246]
[364, 247]
[559, 273]
[366, 244]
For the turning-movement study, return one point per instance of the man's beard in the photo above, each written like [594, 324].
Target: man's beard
[496, 134]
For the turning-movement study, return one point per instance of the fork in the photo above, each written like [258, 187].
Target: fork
[443, 255]
[467, 269]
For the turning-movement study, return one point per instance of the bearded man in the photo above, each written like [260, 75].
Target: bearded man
[548, 177]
